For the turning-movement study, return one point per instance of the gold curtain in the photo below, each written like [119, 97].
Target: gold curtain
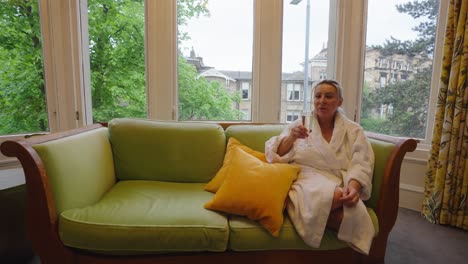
[445, 195]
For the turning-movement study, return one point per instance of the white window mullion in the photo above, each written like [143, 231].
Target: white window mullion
[161, 58]
[86, 102]
[60, 22]
[266, 90]
[349, 48]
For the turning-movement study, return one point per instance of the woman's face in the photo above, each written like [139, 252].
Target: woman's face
[326, 101]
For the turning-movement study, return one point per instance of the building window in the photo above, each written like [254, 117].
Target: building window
[383, 63]
[245, 91]
[323, 75]
[294, 91]
[292, 115]
[383, 79]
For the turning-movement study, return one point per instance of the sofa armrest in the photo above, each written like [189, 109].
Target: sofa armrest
[42, 219]
[388, 198]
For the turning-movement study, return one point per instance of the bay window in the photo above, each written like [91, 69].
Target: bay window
[90, 76]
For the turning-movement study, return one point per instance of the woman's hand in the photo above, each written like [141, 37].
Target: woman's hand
[288, 141]
[298, 132]
[351, 193]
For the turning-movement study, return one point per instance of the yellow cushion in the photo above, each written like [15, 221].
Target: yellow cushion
[255, 189]
[218, 180]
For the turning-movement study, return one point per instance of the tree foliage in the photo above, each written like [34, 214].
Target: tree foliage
[117, 66]
[424, 44]
[117, 59]
[22, 91]
[203, 100]
[409, 102]
[189, 9]
[427, 29]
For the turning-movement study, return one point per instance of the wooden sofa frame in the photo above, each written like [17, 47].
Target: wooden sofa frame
[42, 220]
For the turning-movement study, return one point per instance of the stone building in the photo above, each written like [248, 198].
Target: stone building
[379, 71]
[382, 70]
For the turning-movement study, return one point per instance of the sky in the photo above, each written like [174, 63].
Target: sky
[224, 40]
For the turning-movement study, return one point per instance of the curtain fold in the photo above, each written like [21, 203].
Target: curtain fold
[446, 182]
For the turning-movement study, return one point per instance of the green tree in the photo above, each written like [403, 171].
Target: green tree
[22, 90]
[203, 100]
[426, 10]
[117, 59]
[186, 10]
[368, 102]
[409, 101]
[426, 29]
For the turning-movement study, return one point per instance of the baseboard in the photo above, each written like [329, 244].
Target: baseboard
[411, 197]
[9, 164]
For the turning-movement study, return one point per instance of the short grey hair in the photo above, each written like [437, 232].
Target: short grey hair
[334, 83]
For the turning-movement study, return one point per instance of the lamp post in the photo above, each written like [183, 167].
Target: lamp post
[306, 57]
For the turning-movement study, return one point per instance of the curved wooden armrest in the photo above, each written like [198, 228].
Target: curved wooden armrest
[41, 220]
[388, 200]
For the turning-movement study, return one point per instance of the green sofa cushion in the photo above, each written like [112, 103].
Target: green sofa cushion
[254, 136]
[137, 217]
[165, 150]
[248, 235]
[80, 168]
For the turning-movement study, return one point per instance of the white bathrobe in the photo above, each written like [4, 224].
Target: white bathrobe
[325, 166]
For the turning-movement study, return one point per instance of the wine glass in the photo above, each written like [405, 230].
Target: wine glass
[306, 123]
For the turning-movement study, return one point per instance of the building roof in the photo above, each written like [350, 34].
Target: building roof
[216, 73]
[239, 75]
[295, 76]
[322, 55]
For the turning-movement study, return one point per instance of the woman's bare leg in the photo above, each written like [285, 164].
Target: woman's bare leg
[336, 212]
[335, 218]
[336, 199]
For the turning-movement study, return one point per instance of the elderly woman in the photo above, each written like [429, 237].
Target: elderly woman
[337, 163]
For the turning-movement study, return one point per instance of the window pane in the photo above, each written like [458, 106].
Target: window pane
[117, 59]
[215, 64]
[294, 53]
[398, 66]
[22, 91]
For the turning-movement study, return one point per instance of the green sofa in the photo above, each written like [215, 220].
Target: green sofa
[132, 191]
